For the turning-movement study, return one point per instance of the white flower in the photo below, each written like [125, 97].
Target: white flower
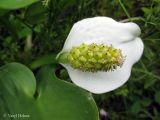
[104, 30]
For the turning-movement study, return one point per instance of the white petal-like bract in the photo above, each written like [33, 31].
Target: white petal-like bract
[104, 30]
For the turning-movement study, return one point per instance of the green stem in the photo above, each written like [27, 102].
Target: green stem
[28, 45]
[43, 60]
[132, 19]
[62, 58]
[124, 9]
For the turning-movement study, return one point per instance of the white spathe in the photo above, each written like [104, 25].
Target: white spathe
[104, 30]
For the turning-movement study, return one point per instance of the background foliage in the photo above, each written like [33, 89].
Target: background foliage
[30, 32]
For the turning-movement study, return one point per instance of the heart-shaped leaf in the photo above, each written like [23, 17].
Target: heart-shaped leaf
[15, 4]
[54, 99]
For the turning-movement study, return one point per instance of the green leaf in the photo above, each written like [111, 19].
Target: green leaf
[5, 21]
[43, 60]
[145, 101]
[54, 99]
[157, 97]
[136, 108]
[149, 82]
[3, 11]
[66, 3]
[36, 13]
[21, 29]
[146, 10]
[15, 4]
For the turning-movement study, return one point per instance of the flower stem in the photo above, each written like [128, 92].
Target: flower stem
[132, 19]
[124, 9]
[62, 58]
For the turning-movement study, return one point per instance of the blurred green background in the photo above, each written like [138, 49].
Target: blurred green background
[39, 29]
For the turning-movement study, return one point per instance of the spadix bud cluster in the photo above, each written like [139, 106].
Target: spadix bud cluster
[93, 58]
